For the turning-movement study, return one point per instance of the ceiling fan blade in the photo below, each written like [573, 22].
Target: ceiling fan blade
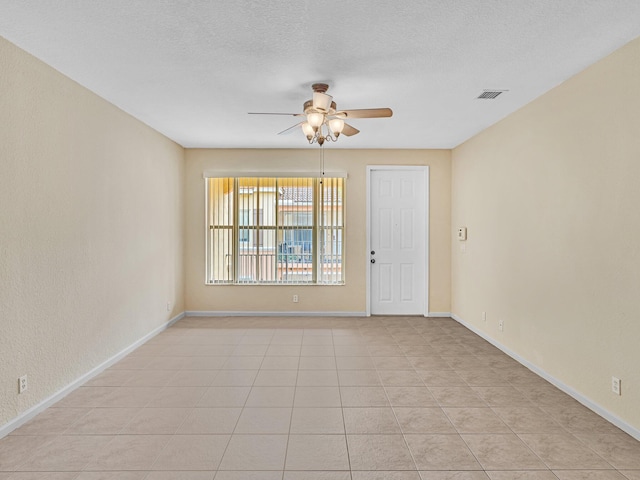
[271, 113]
[366, 113]
[290, 129]
[348, 130]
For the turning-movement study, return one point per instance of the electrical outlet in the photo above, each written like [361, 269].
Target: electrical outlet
[168, 306]
[22, 384]
[295, 299]
[616, 385]
[484, 316]
[501, 325]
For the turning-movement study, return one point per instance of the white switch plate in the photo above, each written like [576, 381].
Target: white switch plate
[501, 325]
[484, 316]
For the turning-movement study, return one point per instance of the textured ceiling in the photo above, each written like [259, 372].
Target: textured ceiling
[193, 69]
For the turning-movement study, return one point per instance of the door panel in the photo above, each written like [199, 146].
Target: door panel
[398, 241]
[384, 293]
[406, 282]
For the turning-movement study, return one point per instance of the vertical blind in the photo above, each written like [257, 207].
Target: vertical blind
[280, 230]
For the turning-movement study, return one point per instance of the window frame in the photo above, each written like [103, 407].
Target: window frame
[320, 275]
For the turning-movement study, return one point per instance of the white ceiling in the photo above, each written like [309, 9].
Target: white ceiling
[192, 69]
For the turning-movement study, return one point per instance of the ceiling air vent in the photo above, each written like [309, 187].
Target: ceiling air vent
[490, 94]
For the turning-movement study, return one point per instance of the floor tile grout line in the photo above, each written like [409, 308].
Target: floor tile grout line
[344, 426]
[293, 401]
[460, 434]
[160, 452]
[237, 421]
[548, 466]
[407, 443]
[404, 439]
[591, 449]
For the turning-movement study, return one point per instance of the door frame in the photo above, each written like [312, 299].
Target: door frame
[424, 169]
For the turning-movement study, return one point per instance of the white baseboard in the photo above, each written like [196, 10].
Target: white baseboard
[27, 415]
[587, 402]
[218, 313]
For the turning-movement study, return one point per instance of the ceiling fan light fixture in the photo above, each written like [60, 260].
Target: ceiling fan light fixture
[323, 122]
[308, 130]
[336, 125]
[315, 119]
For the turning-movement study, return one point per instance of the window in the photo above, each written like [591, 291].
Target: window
[283, 230]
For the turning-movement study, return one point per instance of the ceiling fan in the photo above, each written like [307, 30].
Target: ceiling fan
[323, 119]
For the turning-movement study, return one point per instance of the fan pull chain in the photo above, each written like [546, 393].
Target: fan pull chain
[321, 162]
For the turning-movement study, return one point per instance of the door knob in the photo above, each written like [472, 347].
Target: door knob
[373, 260]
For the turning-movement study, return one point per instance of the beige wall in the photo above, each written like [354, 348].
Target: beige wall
[350, 297]
[550, 196]
[91, 221]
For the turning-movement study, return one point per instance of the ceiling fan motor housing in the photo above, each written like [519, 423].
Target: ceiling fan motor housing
[320, 87]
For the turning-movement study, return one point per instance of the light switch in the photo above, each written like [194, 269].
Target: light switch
[462, 233]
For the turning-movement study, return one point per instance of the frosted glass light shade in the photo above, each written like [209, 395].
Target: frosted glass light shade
[336, 125]
[315, 120]
[308, 130]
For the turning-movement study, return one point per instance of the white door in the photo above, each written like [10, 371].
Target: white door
[398, 240]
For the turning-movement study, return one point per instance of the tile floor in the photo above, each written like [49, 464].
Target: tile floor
[394, 398]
